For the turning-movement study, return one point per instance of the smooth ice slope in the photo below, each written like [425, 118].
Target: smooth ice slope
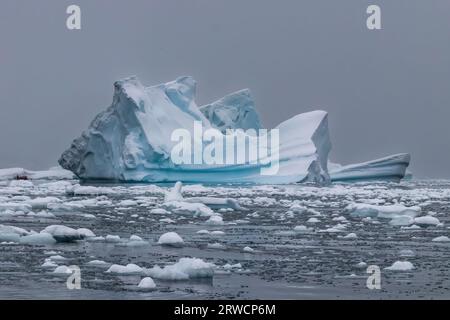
[390, 168]
[131, 140]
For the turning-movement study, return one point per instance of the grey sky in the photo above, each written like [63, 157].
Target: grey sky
[386, 91]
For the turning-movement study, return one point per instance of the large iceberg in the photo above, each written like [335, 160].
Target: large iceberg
[390, 168]
[131, 140]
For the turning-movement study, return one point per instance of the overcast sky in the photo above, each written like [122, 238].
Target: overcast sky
[386, 91]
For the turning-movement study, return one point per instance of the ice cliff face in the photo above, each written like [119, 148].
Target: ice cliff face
[234, 111]
[390, 168]
[131, 140]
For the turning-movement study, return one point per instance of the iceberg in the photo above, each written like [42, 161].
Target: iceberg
[131, 140]
[390, 168]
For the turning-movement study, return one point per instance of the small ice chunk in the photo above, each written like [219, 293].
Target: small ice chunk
[248, 250]
[388, 211]
[302, 228]
[159, 211]
[112, 238]
[128, 269]
[441, 239]
[215, 220]
[232, 266]
[127, 203]
[86, 233]
[184, 269]
[203, 231]
[171, 239]
[97, 263]
[175, 193]
[57, 258]
[401, 266]
[407, 253]
[402, 221]
[38, 239]
[147, 283]
[63, 270]
[350, 236]
[217, 246]
[135, 238]
[427, 220]
[195, 209]
[313, 220]
[49, 264]
[297, 208]
[361, 264]
[62, 233]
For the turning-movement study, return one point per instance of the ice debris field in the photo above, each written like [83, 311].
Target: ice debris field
[195, 241]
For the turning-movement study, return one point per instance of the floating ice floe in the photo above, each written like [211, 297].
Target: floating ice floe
[361, 264]
[128, 269]
[85, 233]
[171, 239]
[399, 214]
[302, 229]
[57, 258]
[49, 264]
[38, 239]
[62, 270]
[441, 239]
[184, 269]
[215, 220]
[182, 207]
[63, 234]
[42, 203]
[175, 201]
[248, 250]
[407, 253]
[350, 236]
[427, 221]
[313, 220]
[401, 266]
[216, 246]
[112, 238]
[98, 263]
[159, 211]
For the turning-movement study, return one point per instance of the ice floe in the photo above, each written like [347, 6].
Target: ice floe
[184, 269]
[401, 266]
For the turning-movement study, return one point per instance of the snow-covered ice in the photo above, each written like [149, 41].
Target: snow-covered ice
[400, 266]
[147, 283]
[171, 239]
[184, 269]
